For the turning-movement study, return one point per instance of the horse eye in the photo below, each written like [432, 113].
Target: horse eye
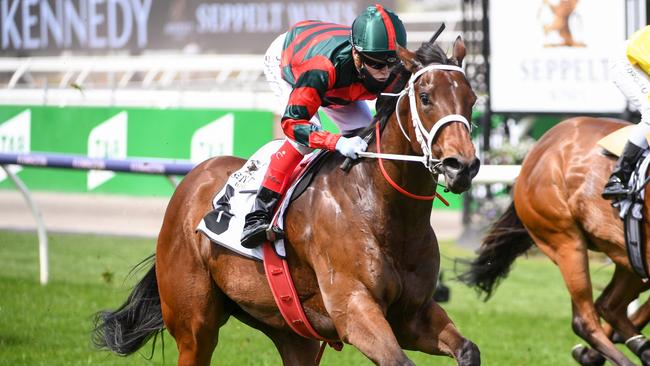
[424, 98]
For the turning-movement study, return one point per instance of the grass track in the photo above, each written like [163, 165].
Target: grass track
[527, 322]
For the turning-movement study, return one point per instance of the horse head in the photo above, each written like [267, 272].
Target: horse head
[440, 107]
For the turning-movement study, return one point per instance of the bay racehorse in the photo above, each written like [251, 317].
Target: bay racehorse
[557, 206]
[363, 256]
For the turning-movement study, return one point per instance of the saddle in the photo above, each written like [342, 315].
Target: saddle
[224, 224]
[631, 206]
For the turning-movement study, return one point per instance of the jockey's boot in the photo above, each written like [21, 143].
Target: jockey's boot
[259, 220]
[276, 179]
[617, 186]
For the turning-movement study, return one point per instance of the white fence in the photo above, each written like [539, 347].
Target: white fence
[160, 81]
[146, 166]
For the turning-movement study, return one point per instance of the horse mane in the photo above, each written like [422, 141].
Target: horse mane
[431, 53]
[428, 53]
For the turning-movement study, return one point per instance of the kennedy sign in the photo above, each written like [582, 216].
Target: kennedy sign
[56, 25]
[554, 55]
[52, 26]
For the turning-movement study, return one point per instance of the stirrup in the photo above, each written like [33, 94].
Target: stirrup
[274, 233]
[255, 228]
[616, 190]
[615, 194]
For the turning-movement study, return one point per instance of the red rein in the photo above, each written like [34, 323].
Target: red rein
[395, 185]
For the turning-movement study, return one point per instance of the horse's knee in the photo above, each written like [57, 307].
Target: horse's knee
[582, 328]
[468, 354]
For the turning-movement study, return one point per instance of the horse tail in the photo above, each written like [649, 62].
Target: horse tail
[506, 240]
[128, 328]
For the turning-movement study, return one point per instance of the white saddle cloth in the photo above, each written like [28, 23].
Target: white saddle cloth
[243, 184]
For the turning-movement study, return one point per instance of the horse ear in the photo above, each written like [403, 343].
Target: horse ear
[409, 59]
[459, 50]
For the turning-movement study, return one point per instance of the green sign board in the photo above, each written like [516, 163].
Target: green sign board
[119, 133]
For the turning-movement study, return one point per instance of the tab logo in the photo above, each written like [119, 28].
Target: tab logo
[213, 139]
[15, 137]
[107, 141]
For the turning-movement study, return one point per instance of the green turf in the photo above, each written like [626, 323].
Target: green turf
[527, 322]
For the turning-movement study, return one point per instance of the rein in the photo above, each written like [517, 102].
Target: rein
[424, 137]
[392, 182]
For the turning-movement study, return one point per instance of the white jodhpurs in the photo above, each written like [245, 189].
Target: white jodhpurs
[347, 117]
[635, 85]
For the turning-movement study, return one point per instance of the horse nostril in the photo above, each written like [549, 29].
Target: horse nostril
[452, 164]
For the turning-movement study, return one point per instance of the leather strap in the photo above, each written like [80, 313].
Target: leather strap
[634, 239]
[395, 185]
[287, 300]
[284, 293]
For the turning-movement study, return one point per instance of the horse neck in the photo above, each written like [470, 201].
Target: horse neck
[405, 213]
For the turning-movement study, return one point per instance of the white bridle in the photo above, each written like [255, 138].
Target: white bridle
[424, 137]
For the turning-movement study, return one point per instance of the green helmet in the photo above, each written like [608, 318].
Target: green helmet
[378, 31]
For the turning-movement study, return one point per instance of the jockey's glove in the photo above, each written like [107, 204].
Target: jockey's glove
[350, 147]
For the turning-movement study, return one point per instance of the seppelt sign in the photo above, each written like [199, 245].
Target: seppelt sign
[48, 27]
[555, 55]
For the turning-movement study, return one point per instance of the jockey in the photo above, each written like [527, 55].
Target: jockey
[631, 77]
[329, 66]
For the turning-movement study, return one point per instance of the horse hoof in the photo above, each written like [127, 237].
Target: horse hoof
[469, 354]
[586, 356]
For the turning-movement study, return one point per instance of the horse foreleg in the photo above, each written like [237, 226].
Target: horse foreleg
[569, 251]
[639, 319]
[360, 321]
[641, 316]
[612, 305]
[431, 331]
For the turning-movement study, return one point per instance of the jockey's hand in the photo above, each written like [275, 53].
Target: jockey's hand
[350, 147]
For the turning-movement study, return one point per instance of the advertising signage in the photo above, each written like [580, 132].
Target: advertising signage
[124, 133]
[47, 27]
[53, 26]
[555, 55]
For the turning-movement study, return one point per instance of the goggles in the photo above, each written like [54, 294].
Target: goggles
[379, 64]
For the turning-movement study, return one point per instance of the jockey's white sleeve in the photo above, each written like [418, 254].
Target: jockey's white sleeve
[635, 86]
[632, 82]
